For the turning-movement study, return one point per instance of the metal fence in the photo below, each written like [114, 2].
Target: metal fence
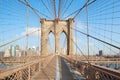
[25, 71]
[92, 71]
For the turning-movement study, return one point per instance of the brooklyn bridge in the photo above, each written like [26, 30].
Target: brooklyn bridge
[59, 40]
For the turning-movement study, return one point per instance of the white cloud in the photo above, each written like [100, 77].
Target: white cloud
[90, 44]
[32, 29]
[76, 40]
[79, 24]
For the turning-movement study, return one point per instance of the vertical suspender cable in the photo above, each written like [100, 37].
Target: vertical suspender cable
[87, 26]
[39, 30]
[55, 8]
[112, 23]
[27, 18]
[59, 8]
[46, 7]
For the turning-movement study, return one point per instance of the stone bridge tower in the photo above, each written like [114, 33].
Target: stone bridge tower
[57, 27]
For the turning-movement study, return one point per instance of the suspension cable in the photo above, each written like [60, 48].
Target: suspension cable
[55, 8]
[59, 9]
[46, 7]
[87, 26]
[79, 10]
[1, 45]
[37, 12]
[97, 39]
[68, 7]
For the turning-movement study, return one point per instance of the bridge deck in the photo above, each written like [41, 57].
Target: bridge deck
[50, 71]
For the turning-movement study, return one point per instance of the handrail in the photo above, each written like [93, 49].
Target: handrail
[94, 70]
[20, 67]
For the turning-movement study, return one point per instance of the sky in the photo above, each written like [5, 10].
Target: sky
[103, 23]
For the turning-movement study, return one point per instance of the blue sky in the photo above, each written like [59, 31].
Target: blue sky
[103, 20]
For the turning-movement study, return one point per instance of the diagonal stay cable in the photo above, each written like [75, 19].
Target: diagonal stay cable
[46, 7]
[34, 10]
[64, 5]
[54, 8]
[1, 45]
[79, 49]
[59, 8]
[106, 37]
[79, 10]
[68, 7]
[97, 39]
[87, 3]
[27, 4]
[71, 14]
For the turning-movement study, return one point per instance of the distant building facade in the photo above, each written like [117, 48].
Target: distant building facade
[7, 53]
[2, 53]
[100, 53]
[13, 50]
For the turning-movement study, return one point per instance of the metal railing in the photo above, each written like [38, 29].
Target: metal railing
[25, 71]
[92, 71]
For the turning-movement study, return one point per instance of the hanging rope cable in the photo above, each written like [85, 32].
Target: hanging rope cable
[97, 38]
[1, 45]
[87, 26]
[98, 28]
[46, 7]
[83, 7]
[67, 8]
[105, 37]
[79, 10]
[59, 8]
[71, 14]
[54, 8]
[80, 51]
[112, 25]
[64, 5]
[51, 6]
[27, 22]
[34, 10]
[27, 4]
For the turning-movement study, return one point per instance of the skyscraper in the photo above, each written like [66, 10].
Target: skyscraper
[13, 50]
[7, 53]
[18, 50]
